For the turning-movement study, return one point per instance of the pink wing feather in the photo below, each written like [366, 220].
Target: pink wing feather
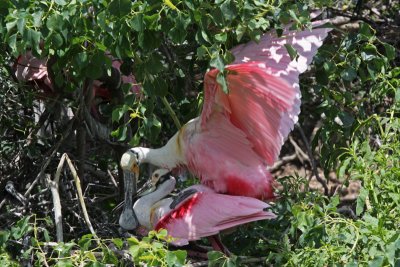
[30, 68]
[199, 216]
[264, 96]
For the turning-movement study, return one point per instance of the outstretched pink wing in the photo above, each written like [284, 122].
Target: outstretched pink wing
[30, 68]
[264, 96]
[207, 213]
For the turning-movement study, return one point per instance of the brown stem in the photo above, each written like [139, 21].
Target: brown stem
[313, 161]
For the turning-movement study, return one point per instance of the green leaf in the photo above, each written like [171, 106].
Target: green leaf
[149, 40]
[175, 258]
[221, 37]
[46, 235]
[294, 16]
[162, 234]
[151, 21]
[135, 139]
[361, 201]
[60, 2]
[81, 60]
[152, 128]
[37, 18]
[240, 31]
[35, 39]
[4, 235]
[120, 8]
[369, 52]
[292, 51]
[374, 222]
[12, 42]
[178, 32]
[222, 81]
[229, 10]
[217, 62]
[64, 263]
[390, 51]
[349, 74]
[119, 112]
[120, 133]
[137, 22]
[218, 17]
[376, 262]
[346, 118]
[202, 52]
[55, 22]
[56, 40]
[10, 25]
[181, 256]
[94, 71]
[21, 25]
[156, 87]
[215, 258]
[366, 30]
[343, 167]
[329, 67]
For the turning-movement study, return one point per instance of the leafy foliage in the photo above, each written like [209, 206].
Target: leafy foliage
[352, 93]
[87, 251]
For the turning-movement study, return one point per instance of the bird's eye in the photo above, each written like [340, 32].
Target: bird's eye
[134, 152]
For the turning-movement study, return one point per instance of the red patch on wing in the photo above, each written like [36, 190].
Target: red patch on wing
[241, 187]
[178, 213]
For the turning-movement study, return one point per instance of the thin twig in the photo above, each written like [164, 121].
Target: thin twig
[3, 202]
[313, 161]
[57, 206]
[56, 199]
[282, 161]
[300, 153]
[114, 182]
[171, 112]
[80, 195]
[49, 158]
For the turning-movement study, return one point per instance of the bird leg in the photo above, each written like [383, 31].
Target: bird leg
[217, 245]
[128, 219]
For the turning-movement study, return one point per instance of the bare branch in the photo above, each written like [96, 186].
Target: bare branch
[49, 158]
[312, 161]
[80, 195]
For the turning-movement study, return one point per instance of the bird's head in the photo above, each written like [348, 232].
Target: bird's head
[159, 177]
[131, 160]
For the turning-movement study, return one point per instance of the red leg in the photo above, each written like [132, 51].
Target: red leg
[217, 245]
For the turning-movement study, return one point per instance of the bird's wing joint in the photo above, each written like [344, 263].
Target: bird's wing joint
[181, 197]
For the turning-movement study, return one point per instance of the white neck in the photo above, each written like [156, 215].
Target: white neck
[169, 156]
[144, 205]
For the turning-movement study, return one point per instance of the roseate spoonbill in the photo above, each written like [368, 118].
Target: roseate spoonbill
[239, 134]
[33, 70]
[196, 212]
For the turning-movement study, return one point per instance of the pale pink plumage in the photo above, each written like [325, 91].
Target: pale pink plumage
[239, 134]
[206, 213]
[30, 68]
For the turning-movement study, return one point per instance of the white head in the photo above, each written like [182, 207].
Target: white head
[132, 158]
[157, 179]
[164, 184]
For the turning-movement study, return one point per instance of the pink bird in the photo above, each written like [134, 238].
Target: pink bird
[29, 68]
[196, 212]
[239, 134]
